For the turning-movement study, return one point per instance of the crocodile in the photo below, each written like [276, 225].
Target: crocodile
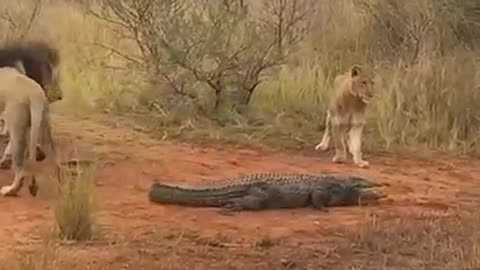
[270, 191]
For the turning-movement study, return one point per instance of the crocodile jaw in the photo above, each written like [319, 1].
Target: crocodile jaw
[369, 196]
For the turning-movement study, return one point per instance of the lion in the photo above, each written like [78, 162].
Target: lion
[345, 117]
[25, 108]
[40, 62]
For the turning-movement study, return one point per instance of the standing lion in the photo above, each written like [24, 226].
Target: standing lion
[25, 110]
[345, 118]
[40, 62]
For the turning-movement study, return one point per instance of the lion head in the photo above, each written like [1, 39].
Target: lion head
[362, 85]
[40, 62]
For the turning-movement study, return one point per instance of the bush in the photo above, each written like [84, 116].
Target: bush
[74, 210]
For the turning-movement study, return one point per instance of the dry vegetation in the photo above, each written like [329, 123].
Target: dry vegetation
[248, 71]
[74, 209]
[260, 71]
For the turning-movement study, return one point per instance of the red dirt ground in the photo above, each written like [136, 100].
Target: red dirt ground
[131, 161]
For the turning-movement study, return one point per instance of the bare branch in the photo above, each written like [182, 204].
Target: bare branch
[135, 60]
[33, 16]
[6, 17]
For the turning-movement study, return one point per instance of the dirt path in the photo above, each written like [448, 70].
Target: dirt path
[131, 161]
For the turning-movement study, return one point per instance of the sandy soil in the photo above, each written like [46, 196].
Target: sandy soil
[134, 233]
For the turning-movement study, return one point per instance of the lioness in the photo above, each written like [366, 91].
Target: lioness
[25, 109]
[40, 62]
[346, 114]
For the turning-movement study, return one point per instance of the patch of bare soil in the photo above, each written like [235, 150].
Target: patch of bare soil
[134, 233]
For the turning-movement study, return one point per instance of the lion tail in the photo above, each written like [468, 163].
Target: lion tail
[40, 127]
[47, 137]
[323, 145]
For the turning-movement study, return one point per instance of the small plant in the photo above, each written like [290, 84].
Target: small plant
[74, 211]
[265, 242]
[42, 257]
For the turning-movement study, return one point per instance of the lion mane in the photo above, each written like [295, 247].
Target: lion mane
[40, 61]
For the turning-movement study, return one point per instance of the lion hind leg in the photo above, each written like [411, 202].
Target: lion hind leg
[4, 130]
[323, 145]
[18, 142]
[6, 161]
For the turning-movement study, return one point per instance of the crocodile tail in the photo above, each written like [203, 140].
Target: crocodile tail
[214, 197]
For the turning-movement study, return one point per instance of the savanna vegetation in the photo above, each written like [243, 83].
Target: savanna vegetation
[260, 72]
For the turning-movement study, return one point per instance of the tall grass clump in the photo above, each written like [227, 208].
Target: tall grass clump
[74, 209]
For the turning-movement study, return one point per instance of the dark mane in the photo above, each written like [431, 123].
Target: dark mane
[37, 57]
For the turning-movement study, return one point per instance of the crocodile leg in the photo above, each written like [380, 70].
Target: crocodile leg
[320, 199]
[256, 199]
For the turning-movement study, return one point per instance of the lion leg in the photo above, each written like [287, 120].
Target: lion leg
[36, 116]
[18, 168]
[355, 144]
[339, 132]
[6, 161]
[4, 130]
[40, 154]
[323, 145]
[18, 143]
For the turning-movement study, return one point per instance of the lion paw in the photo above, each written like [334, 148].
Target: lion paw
[362, 163]
[338, 159]
[33, 188]
[321, 147]
[39, 154]
[7, 191]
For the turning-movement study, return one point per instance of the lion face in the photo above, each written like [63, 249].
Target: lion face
[362, 85]
[51, 79]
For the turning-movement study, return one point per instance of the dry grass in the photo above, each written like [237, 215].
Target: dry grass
[74, 209]
[43, 257]
[442, 240]
[429, 240]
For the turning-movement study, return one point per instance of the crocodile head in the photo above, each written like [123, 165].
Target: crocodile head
[361, 182]
[353, 194]
[350, 179]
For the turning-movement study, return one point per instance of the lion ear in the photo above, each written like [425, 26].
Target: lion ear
[355, 71]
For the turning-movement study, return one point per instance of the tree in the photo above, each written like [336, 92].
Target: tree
[218, 43]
